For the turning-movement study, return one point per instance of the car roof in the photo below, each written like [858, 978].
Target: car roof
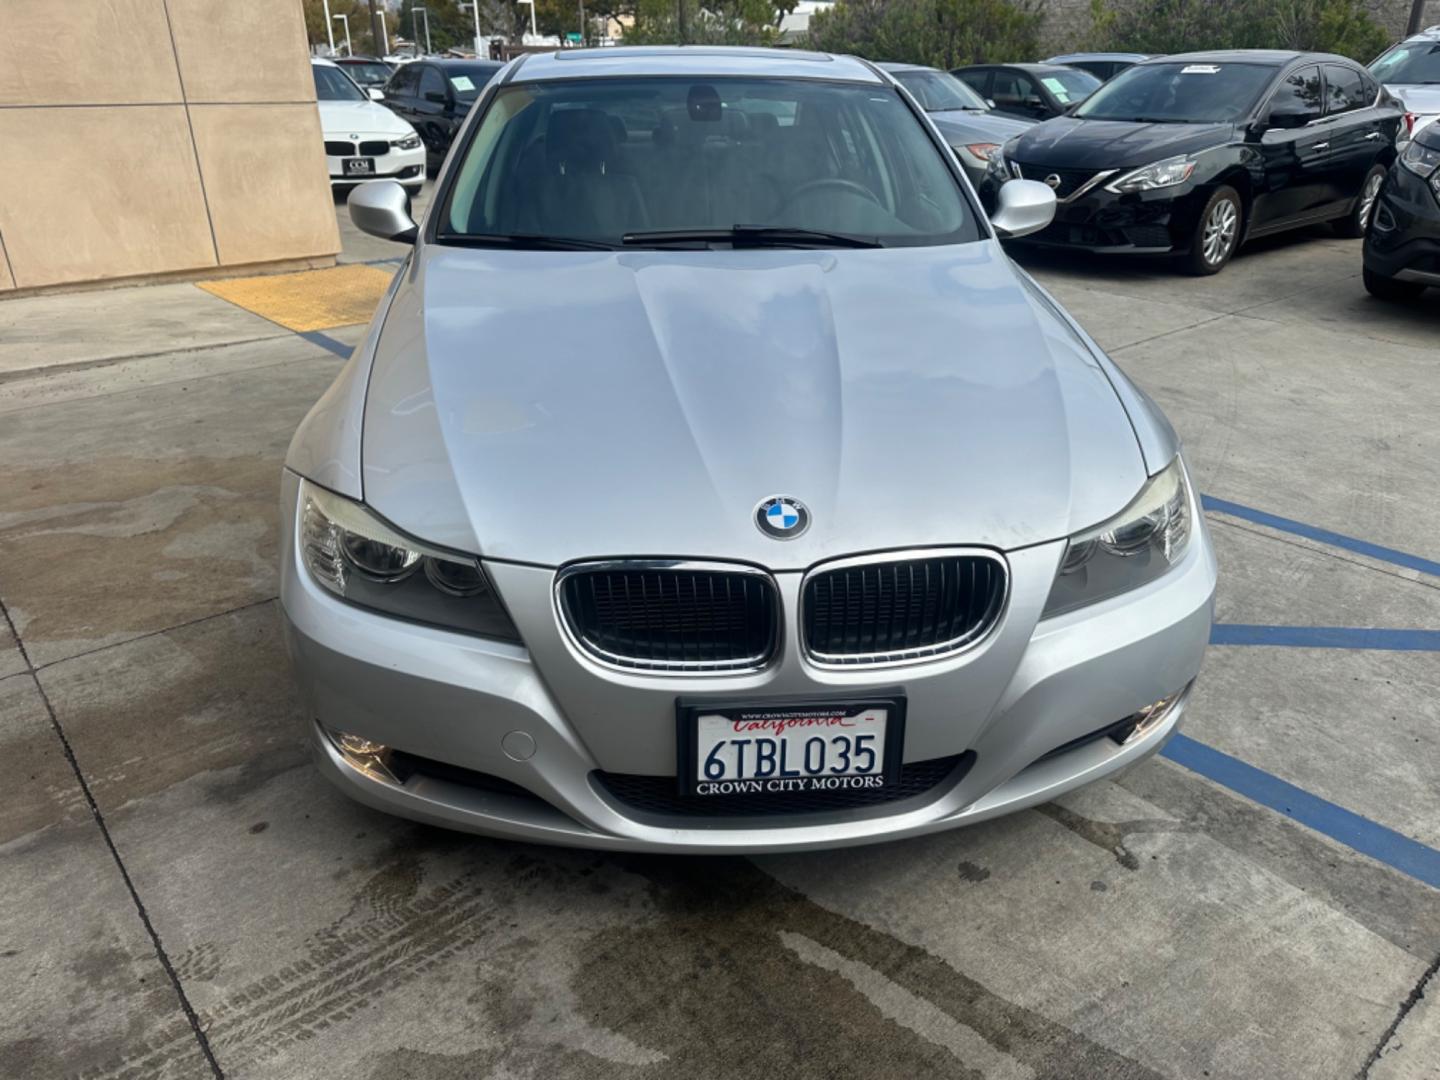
[1024, 67]
[1430, 33]
[1065, 58]
[693, 60]
[358, 60]
[891, 65]
[320, 61]
[1267, 57]
[461, 62]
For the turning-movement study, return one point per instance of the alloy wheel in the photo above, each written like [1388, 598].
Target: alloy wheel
[1368, 197]
[1221, 226]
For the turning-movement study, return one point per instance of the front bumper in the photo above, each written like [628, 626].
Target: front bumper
[1140, 223]
[407, 166]
[541, 721]
[1403, 241]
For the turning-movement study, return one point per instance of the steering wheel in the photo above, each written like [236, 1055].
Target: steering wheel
[835, 183]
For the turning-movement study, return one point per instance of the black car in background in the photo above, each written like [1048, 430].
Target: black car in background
[368, 72]
[1402, 245]
[1103, 65]
[435, 96]
[1029, 91]
[1192, 155]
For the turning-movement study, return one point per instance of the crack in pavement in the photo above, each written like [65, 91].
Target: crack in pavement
[1411, 1000]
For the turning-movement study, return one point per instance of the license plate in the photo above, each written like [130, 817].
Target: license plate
[769, 748]
[360, 166]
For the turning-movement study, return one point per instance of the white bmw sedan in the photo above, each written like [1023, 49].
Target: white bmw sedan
[710, 479]
[363, 139]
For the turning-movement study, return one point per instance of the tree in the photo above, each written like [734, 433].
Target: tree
[716, 22]
[1174, 26]
[940, 33]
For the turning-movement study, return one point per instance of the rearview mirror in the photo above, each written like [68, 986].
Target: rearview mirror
[382, 208]
[1022, 207]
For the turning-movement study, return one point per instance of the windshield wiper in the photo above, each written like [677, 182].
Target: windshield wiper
[523, 241]
[751, 236]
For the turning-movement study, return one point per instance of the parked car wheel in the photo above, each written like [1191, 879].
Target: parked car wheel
[1217, 233]
[1353, 225]
[1387, 288]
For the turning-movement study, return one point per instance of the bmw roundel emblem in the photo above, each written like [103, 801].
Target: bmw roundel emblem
[781, 517]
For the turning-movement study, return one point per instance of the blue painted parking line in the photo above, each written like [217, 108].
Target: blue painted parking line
[1345, 826]
[1324, 536]
[325, 341]
[1326, 637]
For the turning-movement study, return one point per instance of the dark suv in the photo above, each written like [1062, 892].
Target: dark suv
[1402, 246]
[1192, 155]
[435, 96]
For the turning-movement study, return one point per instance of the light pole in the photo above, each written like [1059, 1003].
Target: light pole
[346, 20]
[384, 35]
[533, 31]
[329, 30]
[475, 9]
[423, 11]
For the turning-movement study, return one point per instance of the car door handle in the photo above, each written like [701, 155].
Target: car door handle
[1320, 146]
[1374, 135]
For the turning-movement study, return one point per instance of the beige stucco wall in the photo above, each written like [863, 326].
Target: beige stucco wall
[143, 137]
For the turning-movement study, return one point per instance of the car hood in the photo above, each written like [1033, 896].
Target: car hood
[959, 126]
[1066, 142]
[547, 407]
[343, 119]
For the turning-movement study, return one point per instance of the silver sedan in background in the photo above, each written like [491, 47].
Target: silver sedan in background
[710, 480]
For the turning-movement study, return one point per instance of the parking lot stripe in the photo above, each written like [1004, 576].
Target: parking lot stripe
[1326, 637]
[1324, 536]
[1394, 849]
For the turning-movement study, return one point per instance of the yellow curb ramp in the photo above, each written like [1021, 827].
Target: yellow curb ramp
[311, 300]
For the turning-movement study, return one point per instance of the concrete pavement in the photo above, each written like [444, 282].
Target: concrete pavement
[182, 896]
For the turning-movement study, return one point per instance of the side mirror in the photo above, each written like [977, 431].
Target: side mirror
[1022, 207]
[436, 96]
[382, 208]
[374, 94]
[1290, 117]
[990, 101]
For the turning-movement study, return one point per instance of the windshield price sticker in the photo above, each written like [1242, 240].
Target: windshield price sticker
[1200, 69]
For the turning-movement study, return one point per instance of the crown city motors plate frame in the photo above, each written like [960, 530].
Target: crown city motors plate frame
[792, 723]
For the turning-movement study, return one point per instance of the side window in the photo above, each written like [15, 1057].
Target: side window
[431, 82]
[1344, 89]
[1300, 93]
[403, 81]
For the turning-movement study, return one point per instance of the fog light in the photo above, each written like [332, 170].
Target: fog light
[1141, 723]
[366, 755]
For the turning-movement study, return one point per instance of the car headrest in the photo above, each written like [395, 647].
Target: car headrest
[579, 140]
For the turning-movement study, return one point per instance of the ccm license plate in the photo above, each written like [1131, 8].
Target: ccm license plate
[360, 166]
[765, 748]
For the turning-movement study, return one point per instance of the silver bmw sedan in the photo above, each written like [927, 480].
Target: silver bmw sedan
[710, 480]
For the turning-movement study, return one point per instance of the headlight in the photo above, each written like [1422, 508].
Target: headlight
[409, 142]
[359, 558]
[1162, 174]
[1423, 161]
[995, 166]
[1131, 549]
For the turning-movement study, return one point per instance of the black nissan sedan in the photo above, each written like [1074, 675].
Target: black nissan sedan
[1402, 246]
[1192, 155]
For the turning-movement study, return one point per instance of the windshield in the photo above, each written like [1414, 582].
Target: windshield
[937, 91]
[1179, 93]
[468, 83]
[600, 159]
[372, 74]
[1069, 86]
[1409, 62]
[332, 84]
